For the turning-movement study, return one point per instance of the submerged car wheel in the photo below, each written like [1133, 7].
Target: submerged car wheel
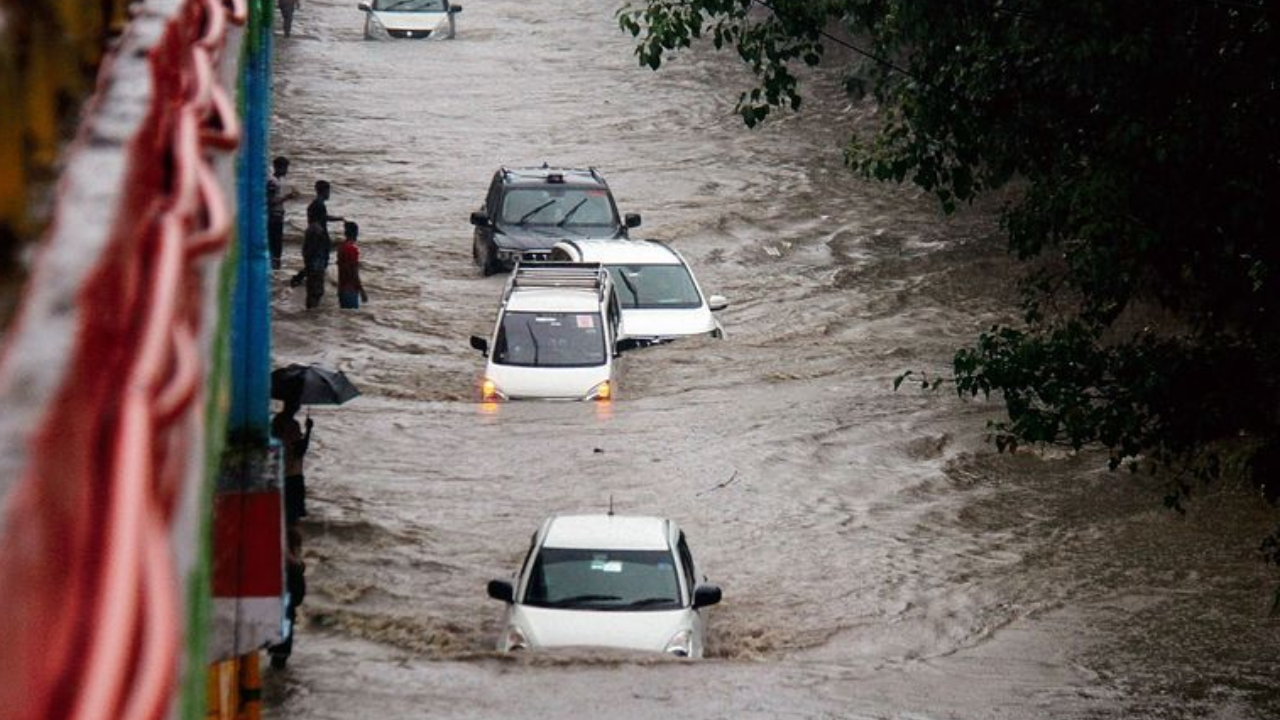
[487, 258]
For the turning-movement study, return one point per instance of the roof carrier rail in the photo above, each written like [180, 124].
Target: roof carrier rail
[538, 169]
[590, 276]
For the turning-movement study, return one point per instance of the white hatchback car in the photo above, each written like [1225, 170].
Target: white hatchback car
[659, 296]
[556, 336]
[626, 582]
[413, 19]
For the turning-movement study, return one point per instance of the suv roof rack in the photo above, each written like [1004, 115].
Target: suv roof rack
[544, 170]
[587, 276]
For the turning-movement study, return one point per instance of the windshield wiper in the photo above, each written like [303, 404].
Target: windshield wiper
[393, 7]
[525, 218]
[533, 340]
[645, 602]
[572, 210]
[635, 294]
[574, 600]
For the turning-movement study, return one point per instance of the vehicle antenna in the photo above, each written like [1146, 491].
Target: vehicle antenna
[610, 504]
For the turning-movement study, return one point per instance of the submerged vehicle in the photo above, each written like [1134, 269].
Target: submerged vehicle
[413, 19]
[556, 336]
[612, 581]
[528, 210]
[660, 298]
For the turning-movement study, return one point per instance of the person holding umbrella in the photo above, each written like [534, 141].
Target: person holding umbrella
[297, 385]
[294, 443]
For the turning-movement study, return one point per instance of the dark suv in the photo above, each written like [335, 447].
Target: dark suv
[528, 210]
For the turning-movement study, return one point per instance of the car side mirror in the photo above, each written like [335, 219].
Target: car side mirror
[626, 344]
[705, 595]
[455, 8]
[479, 219]
[364, 7]
[632, 220]
[480, 344]
[717, 302]
[503, 590]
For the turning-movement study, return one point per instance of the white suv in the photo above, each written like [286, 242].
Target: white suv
[556, 335]
[660, 298]
[612, 581]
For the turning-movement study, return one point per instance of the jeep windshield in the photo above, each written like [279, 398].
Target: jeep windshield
[654, 286]
[557, 205]
[603, 580]
[550, 339]
[409, 5]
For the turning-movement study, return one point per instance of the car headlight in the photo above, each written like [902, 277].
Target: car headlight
[603, 391]
[489, 391]
[680, 644]
[514, 639]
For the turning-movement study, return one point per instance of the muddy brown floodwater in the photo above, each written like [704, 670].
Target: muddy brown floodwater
[878, 559]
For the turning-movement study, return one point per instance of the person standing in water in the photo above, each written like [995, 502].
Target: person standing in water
[294, 443]
[316, 245]
[279, 190]
[350, 288]
[286, 13]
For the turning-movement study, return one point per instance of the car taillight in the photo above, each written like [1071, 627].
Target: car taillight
[489, 391]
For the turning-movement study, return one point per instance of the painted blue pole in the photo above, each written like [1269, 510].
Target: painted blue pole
[249, 417]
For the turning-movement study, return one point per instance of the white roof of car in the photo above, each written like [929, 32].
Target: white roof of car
[553, 300]
[625, 252]
[607, 532]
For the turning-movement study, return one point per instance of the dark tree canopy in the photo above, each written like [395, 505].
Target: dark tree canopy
[1143, 137]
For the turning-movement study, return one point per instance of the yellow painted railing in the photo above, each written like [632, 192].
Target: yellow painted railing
[49, 54]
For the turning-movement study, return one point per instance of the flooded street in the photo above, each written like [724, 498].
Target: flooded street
[878, 560]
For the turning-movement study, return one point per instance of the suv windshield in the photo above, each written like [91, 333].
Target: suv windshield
[550, 339]
[409, 5]
[557, 205]
[604, 580]
[655, 286]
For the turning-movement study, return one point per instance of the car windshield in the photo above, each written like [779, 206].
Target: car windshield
[604, 580]
[409, 5]
[550, 339]
[655, 286]
[557, 205]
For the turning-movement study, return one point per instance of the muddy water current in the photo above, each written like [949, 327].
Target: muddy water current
[878, 559]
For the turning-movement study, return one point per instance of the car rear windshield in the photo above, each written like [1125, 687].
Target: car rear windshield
[409, 5]
[558, 205]
[604, 580]
[655, 286]
[550, 339]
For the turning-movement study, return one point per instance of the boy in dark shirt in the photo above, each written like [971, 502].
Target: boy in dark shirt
[316, 245]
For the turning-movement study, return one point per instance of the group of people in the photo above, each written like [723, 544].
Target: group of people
[317, 246]
[294, 440]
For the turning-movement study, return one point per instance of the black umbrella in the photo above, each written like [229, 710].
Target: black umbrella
[311, 385]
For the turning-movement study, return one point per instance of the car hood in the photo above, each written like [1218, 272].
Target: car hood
[551, 628]
[666, 323]
[417, 21]
[516, 382]
[542, 237]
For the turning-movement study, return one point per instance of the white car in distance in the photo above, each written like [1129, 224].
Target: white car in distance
[412, 19]
[556, 336]
[660, 298]
[612, 581]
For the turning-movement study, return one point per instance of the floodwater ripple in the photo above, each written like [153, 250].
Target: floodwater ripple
[877, 559]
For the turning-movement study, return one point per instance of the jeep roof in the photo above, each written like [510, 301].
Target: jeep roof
[556, 287]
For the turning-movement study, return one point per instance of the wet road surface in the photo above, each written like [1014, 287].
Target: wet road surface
[878, 560]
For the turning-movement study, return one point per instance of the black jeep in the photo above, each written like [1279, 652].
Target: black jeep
[528, 210]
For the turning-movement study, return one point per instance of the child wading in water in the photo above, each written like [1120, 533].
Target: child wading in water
[350, 289]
